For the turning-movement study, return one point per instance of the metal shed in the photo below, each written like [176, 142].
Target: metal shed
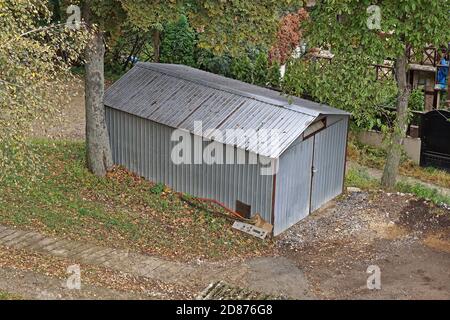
[153, 101]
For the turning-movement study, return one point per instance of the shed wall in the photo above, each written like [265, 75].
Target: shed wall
[329, 162]
[298, 191]
[293, 187]
[144, 147]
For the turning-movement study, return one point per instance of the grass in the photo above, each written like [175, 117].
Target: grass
[61, 198]
[375, 158]
[6, 296]
[424, 192]
[360, 178]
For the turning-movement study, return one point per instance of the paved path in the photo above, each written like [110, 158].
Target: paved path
[377, 174]
[33, 285]
[271, 275]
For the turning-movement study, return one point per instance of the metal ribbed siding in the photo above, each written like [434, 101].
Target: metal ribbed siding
[293, 186]
[145, 147]
[298, 193]
[329, 161]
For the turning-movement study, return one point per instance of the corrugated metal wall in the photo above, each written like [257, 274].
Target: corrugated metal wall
[145, 147]
[329, 163]
[292, 196]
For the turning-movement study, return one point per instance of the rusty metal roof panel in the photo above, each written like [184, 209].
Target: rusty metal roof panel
[178, 96]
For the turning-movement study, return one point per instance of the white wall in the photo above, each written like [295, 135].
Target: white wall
[412, 146]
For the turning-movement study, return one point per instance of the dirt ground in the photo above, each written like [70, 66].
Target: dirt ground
[408, 239]
[31, 275]
[69, 122]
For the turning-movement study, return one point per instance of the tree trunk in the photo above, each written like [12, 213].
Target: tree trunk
[99, 156]
[390, 173]
[156, 45]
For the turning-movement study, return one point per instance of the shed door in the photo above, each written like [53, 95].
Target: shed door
[328, 164]
[293, 186]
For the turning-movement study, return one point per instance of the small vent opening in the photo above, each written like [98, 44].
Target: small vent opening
[243, 209]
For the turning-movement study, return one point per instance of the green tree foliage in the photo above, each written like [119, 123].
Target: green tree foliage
[274, 75]
[35, 57]
[344, 26]
[356, 29]
[151, 14]
[223, 26]
[178, 43]
[228, 25]
[255, 69]
[130, 44]
[417, 100]
[218, 64]
[261, 69]
[224, 31]
[334, 84]
[242, 69]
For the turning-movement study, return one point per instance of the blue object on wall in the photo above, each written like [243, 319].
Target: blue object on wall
[443, 73]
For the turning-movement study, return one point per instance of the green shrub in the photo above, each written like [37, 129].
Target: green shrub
[423, 192]
[346, 83]
[360, 178]
[206, 60]
[416, 100]
[178, 43]
[274, 75]
[157, 188]
[261, 69]
[242, 69]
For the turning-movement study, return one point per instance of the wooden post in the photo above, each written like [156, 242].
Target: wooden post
[429, 94]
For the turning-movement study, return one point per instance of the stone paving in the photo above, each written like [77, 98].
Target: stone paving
[34, 285]
[271, 275]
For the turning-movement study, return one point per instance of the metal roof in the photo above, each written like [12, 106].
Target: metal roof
[176, 96]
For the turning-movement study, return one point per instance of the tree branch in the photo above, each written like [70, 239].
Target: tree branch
[41, 29]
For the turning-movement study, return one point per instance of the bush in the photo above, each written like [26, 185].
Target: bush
[261, 69]
[417, 100]
[255, 68]
[207, 61]
[178, 43]
[274, 75]
[242, 69]
[360, 178]
[423, 192]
